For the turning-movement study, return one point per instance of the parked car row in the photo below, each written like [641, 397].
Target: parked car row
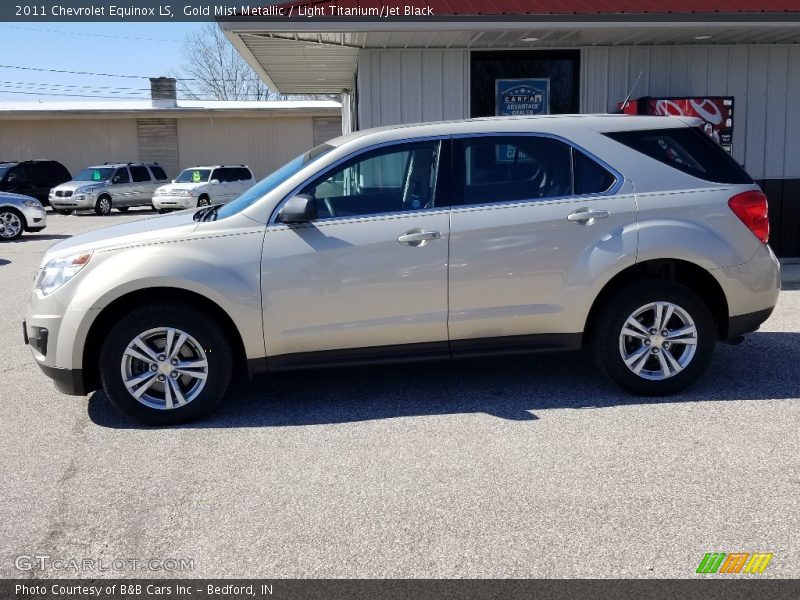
[122, 186]
[27, 186]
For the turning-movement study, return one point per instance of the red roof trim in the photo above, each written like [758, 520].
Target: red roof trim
[564, 7]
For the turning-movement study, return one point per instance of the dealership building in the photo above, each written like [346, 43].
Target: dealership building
[591, 54]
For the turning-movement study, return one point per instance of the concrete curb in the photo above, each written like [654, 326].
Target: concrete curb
[790, 271]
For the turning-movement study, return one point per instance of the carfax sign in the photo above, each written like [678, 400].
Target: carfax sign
[522, 96]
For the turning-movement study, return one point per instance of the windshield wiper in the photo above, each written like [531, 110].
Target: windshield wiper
[207, 213]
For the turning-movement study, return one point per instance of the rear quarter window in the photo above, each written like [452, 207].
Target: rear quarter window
[687, 149]
[158, 173]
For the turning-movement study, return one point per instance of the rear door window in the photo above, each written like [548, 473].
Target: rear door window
[140, 173]
[686, 149]
[510, 169]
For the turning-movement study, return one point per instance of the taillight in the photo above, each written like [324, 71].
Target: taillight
[751, 208]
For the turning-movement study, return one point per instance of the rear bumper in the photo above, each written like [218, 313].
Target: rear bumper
[739, 325]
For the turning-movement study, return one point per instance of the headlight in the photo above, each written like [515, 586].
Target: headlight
[87, 189]
[182, 193]
[32, 203]
[59, 271]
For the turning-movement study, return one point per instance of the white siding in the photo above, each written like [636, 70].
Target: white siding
[764, 81]
[76, 143]
[409, 86]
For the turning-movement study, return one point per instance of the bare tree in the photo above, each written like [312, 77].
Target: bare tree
[212, 68]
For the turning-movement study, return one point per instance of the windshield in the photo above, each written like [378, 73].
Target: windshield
[193, 176]
[3, 171]
[94, 174]
[271, 181]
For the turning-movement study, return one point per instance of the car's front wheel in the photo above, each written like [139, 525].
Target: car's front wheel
[654, 337]
[163, 364]
[12, 223]
[103, 206]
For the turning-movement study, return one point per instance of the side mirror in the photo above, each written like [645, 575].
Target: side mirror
[214, 181]
[298, 209]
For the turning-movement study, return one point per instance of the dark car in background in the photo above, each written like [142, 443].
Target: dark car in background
[33, 178]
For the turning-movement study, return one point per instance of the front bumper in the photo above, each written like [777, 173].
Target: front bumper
[73, 202]
[174, 202]
[67, 381]
[35, 218]
[55, 337]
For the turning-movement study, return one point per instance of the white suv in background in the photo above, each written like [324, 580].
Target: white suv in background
[200, 186]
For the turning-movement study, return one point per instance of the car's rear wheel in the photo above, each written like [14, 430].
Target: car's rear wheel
[12, 224]
[654, 337]
[164, 364]
[103, 206]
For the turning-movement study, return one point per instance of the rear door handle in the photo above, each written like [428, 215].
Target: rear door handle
[587, 216]
[418, 237]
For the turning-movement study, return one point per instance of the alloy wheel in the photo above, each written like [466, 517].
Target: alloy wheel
[658, 340]
[164, 368]
[10, 225]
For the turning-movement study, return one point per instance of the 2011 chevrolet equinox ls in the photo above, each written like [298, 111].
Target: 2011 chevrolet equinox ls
[636, 236]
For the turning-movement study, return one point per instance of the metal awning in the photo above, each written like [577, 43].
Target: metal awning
[321, 55]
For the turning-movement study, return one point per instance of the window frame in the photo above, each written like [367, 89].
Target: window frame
[441, 189]
[458, 170]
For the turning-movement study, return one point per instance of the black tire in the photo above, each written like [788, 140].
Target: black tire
[63, 211]
[123, 209]
[196, 324]
[12, 224]
[103, 205]
[203, 200]
[606, 339]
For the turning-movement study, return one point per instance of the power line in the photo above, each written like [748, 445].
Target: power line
[3, 91]
[85, 34]
[67, 85]
[67, 72]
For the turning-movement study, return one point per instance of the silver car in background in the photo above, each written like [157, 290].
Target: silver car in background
[20, 213]
[103, 187]
[637, 237]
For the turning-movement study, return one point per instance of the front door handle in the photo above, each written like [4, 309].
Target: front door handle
[418, 237]
[587, 216]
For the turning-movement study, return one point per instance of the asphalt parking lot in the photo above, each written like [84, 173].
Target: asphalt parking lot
[510, 467]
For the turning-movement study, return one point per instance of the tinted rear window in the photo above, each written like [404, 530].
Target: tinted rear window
[158, 172]
[140, 174]
[687, 149]
[589, 177]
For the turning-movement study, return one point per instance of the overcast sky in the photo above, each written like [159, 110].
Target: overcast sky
[147, 49]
